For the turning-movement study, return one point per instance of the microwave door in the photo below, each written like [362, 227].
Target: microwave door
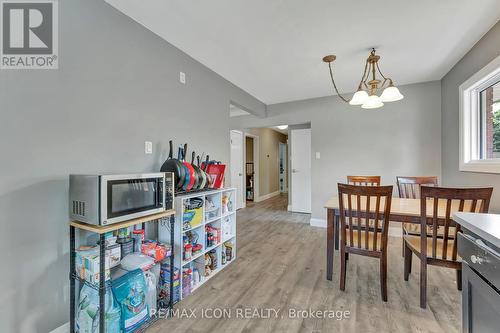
[131, 198]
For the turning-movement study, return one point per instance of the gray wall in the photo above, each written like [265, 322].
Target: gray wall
[487, 49]
[402, 138]
[117, 86]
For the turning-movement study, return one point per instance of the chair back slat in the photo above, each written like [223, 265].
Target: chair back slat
[434, 227]
[444, 253]
[365, 210]
[445, 202]
[351, 233]
[377, 217]
[358, 204]
[364, 180]
[409, 187]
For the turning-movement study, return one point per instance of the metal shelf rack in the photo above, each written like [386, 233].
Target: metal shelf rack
[103, 284]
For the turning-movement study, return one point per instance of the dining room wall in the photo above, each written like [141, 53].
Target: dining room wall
[484, 51]
[116, 87]
[402, 138]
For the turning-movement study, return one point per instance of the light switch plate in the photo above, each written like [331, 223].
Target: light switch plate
[318, 155]
[182, 77]
[148, 147]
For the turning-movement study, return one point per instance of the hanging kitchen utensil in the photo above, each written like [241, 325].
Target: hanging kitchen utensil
[192, 176]
[175, 166]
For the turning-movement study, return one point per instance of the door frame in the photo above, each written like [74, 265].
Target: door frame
[256, 165]
[243, 157]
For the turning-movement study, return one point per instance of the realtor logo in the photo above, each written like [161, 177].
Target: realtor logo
[29, 37]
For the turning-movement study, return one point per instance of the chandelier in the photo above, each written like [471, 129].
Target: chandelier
[366, 95]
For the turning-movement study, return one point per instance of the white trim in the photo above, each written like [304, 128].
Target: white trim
[268, 196]
[469, 119]
[289, 208]
[320, 223]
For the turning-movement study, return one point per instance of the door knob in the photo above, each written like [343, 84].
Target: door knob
[240, 174]
[294, 171]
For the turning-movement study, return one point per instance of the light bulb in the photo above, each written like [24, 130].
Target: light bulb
[391, 94]
[359, 97]
[372, 102]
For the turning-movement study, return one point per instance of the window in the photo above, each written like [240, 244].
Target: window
[480, 120]
[490, 121]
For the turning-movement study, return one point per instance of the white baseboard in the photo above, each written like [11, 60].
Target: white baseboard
[267, 196]
[394, 231]
[320, 223]
[289, 208]
[61, 329]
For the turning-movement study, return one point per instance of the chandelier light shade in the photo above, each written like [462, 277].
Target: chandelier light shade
[373, 102]
[370, 85]
[391, 94]
[359, 98]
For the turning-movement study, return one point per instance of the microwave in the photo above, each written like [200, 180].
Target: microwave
[107, 199]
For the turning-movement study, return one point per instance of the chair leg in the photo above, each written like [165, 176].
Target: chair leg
[383, 276]
[403, 241]
[423, 283]
[459, 279]
[343, 262]
[408, 257]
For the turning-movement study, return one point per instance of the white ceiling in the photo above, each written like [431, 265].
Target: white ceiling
[273, 49]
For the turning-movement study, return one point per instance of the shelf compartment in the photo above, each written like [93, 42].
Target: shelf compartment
[228, 226]
[212, 206]
[228, 201]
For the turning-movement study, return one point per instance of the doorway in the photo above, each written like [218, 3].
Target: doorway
[250, 168]
[283, 167]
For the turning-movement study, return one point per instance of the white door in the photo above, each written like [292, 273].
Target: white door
[300, 165]
[237, 166]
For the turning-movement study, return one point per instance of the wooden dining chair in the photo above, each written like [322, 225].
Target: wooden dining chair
[409, 188]
[364, 180]
[436, 209]
[364, 226]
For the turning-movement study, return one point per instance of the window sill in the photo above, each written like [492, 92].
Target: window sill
[482, 166]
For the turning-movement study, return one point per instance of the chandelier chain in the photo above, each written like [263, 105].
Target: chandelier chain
[334, 85]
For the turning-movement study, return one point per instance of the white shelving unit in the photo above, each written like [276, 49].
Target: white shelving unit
[212, 213]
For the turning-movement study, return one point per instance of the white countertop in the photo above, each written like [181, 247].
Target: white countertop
[486, 226]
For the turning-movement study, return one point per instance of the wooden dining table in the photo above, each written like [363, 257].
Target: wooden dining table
[402, 211]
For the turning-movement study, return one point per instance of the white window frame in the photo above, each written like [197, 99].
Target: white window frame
[470, 142]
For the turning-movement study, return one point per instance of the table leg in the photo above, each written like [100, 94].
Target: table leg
[329, 244]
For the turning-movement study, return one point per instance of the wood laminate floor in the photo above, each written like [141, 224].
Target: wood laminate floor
[280, 266]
